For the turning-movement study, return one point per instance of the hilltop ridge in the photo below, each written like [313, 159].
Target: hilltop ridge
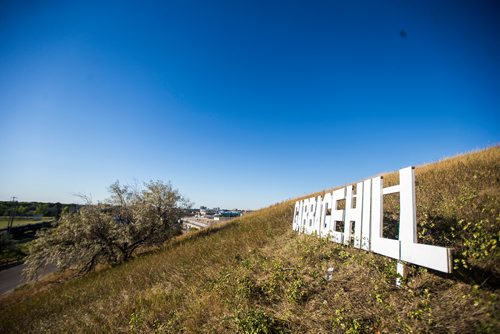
[255, 275]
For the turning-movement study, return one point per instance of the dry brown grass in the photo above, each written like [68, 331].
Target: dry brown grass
[255, 274]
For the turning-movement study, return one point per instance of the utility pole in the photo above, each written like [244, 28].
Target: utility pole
[12, 214]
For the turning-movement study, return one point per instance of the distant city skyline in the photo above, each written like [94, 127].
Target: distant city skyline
[239, 104]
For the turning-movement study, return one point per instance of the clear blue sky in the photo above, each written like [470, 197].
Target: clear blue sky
[239, 103]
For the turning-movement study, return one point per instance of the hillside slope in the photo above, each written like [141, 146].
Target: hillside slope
[256, 275]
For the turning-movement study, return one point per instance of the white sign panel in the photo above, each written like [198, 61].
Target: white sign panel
[362, 220]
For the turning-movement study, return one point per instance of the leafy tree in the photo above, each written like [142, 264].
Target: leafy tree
[41, 209]
[110, 232]
[22, 210]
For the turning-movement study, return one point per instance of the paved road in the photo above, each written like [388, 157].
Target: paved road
[11, 278]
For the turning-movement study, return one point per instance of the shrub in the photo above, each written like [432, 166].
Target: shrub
[109, 233]
[256, 322]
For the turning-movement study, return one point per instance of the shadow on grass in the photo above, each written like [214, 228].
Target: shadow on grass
[450, 232]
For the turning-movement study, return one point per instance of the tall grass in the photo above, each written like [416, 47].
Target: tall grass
[254, 274]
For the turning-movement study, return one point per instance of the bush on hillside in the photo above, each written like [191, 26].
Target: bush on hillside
[109, 233]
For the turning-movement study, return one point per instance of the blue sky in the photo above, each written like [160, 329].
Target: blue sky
[239, 103]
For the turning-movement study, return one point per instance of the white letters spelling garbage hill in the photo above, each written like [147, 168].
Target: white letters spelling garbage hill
[363, 223]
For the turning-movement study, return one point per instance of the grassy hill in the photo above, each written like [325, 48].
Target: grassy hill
[255, 275]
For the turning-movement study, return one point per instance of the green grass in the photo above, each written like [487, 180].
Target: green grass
[254, 274]
[23, 221]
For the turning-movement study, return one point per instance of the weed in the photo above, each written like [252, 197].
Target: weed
[256, 322]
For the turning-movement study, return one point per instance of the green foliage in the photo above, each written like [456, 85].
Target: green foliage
[423, 307]
[389, 271]
[136, 321]
[478, 244]
[257, 322]
[296, 291]
[247, 288]
[30, 209]
[342, 323]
